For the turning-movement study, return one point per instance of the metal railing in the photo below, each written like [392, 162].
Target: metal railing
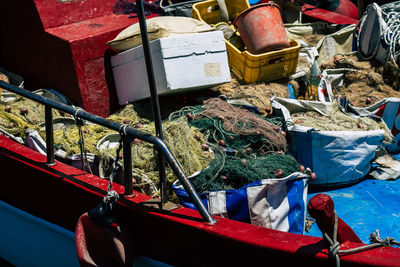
[129, 133]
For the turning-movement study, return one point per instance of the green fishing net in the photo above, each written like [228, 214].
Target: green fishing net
[227, 172]
[260, 140]
[18, 113]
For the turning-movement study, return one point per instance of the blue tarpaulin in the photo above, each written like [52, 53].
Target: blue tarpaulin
[367, 206]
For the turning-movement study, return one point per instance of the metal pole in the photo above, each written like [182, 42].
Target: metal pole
[128, 166]
[154, 96]
[49, 135]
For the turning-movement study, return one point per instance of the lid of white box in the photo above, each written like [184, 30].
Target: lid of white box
[177, 46]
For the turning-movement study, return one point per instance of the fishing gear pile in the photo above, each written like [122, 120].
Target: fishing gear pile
[234, 128]
[256, 94]
[185, 142]
[18, 113]
[365, 82]
[228, 172]
[336, 120]
[66, 136]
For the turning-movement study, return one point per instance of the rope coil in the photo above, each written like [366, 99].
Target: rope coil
[389, 38]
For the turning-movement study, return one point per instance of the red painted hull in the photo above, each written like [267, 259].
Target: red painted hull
[61, 194]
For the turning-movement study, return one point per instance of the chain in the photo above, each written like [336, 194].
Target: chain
[81, 142]
[111, 194]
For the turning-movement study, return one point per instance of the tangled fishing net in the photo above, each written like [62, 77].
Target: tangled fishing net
[233, 127]
[336, 120]
[128, 115]
[227, 172]
[257, 94]
[365, 82]
[67, 137]
[12, 123]
[185, 143]
[19, 113]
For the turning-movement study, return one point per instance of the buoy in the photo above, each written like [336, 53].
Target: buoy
[322, 209]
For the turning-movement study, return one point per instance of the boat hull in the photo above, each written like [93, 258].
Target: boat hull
[31, 241]
[61, 193]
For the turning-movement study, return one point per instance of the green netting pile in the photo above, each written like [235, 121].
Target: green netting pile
[232, 172]
[233, 127]
[13, 124]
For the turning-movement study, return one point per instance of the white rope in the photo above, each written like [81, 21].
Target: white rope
[391, 36]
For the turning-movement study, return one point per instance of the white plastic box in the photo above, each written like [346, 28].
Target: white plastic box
[181, 62]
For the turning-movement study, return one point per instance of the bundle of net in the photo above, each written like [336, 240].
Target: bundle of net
[186, 143]
[23, 113]
[67, 137]
[234, 128]
[336, 120]
[228, 172]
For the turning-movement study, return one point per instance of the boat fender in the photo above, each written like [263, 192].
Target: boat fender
[101, 240]
[322, 209]
[97, 245]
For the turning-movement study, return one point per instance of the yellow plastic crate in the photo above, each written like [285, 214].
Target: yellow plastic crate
[248, 67]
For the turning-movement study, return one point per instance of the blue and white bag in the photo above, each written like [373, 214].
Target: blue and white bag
[278, 204]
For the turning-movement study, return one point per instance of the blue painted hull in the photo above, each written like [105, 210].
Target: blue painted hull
[27, 240]
[30, 241]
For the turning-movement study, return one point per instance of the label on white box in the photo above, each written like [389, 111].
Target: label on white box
[212, 69]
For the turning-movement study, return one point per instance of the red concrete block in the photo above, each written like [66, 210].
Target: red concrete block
[62, 45]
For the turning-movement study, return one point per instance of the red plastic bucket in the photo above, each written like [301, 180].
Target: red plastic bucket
[261, 28]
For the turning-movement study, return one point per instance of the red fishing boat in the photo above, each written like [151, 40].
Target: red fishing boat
[56, 214]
